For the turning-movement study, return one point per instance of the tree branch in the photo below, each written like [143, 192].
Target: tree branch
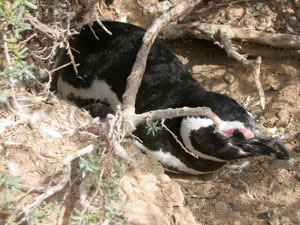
[135, 78]
[208, 31]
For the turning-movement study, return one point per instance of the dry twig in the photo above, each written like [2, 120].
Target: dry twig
[42, 27]
[52, 190]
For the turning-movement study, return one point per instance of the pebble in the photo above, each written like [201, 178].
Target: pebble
[234, 207]
[152, 8]
[197, 69]
[207, 82]
[275, 87]
[264, 215]
[237, 222]
[221, 207]
[298, 176]
[164, 179]
[268, 124]
[274, 221]
[235, 184]
[283, 114]
[259, 207]
[229, 78]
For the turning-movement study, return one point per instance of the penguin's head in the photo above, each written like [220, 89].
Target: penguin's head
[238, 136]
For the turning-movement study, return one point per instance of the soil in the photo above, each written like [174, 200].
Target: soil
[263, 193]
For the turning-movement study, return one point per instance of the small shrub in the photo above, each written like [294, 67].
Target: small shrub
[13, 24]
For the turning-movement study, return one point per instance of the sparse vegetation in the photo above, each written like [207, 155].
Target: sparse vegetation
[91, 166]
[10, 185]
[41, 215]
[152, 127]
[13, 25]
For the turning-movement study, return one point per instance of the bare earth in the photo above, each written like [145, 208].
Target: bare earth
[263, 193]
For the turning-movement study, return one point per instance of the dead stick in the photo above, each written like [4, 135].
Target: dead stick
[42, 27]
[260, 89]
[66, 177]
[208, 31]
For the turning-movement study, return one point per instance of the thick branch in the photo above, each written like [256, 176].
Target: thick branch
[208, 31]
[135, 78]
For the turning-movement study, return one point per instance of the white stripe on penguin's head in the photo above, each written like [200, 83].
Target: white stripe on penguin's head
[227, 128]
[189, 124]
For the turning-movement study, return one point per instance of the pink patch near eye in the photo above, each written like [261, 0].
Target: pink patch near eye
[248, 134]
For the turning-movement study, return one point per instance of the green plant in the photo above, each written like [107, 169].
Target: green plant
[90, 164]
[152, 127]
[8, 207]
[10, 184]
[41, 214]
[110, 191]
[13, 24]
[83, 218]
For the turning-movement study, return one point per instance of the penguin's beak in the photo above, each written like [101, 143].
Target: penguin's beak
[266, 145]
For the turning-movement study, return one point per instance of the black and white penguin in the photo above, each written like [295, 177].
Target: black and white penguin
[105, 62]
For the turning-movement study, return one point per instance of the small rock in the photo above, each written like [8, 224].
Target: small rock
[259, 207]
[164, 179]
[283, 114]
[234, 207]
[264, 215]
[196, 69]
[221, 207]
[222, 13]
[206, 82]
[275, 87]
[298, 176]
[268, 124]
[237, 222]
[209, 176]
[235, 184]
[229, 78]
[274, 221]
[152, 8]
[259, 6]
[123, 19]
